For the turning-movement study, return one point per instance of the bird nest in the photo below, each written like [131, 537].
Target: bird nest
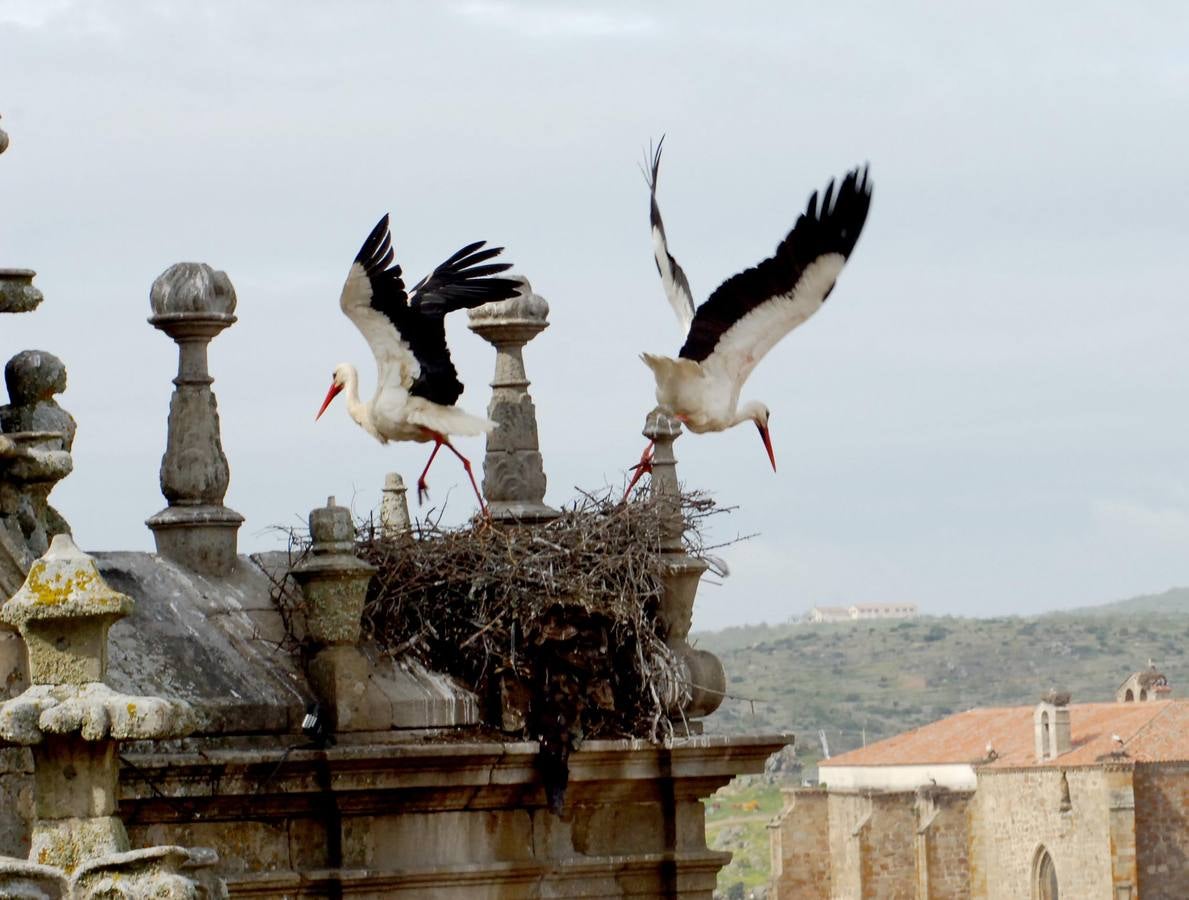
[553, 626]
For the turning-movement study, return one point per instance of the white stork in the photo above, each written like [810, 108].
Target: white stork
[417, 384]
[727, 336]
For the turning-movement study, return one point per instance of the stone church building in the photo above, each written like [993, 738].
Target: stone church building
[1086, 801]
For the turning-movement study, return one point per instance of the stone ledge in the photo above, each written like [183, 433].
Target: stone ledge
[458, 765]
[643, 875]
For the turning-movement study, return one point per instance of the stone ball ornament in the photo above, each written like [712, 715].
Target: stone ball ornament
[34, 375]
[191, 289]
[3, 140]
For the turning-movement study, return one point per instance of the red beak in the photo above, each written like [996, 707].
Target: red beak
[334, 392]
[763, 429]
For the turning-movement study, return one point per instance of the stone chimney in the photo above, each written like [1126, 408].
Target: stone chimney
[1051, 726]
[192, 303]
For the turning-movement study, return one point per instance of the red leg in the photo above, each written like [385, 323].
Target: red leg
[422, 487]
[644, 465]
[466, 464]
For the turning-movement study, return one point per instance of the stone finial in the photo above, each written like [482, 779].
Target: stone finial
[33, 378]
[34, 452]
[68, 716]
[64, 610]
[189, 289]
[17, 293]
[513, 472]
[192, 303]
[332, 578]
[705, 679]
[334, 582]
[394, 507]
[666, 491]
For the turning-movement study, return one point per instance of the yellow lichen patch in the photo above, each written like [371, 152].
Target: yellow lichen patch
[132, 709]
[58, 590]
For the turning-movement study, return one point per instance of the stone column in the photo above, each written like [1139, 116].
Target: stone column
[192, 303]
[334, 582]
[705, 676]
[70, 719]
[513, 473]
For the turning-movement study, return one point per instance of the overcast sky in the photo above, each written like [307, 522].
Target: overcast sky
[989, 416]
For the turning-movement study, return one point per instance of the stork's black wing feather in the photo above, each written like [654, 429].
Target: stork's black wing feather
[832, 228]
[461, 282]
[388, 289]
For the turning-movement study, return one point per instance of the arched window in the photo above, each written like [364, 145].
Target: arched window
[1143, 694]
[1044, 735]
[1045, 877]
[1129, 697]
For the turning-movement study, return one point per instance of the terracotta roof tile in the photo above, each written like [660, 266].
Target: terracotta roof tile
[1156, 731]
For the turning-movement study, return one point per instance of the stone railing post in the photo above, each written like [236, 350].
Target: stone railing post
[513, 473]
[72, 721]
[334, 582]
[706, 679]
[192, 303]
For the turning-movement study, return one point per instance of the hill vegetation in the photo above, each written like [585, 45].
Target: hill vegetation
[863, 681]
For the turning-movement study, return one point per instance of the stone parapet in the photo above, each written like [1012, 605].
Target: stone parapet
[470, 818]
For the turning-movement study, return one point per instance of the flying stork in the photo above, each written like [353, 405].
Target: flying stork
[416, 384]
[745, 317]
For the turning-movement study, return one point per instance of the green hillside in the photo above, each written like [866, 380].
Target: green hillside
[859, 681]
[1174, 600]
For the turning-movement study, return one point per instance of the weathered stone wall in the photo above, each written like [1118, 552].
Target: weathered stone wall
[1019, 811]
[1162, 830]
[884, 845]
[889, 848]
[800, 846]
[947, 847]
[872, 845]
[16, 765]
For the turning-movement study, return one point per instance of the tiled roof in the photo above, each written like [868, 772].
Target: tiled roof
[1156, 731]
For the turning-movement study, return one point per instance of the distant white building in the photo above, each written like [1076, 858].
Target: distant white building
[862, 611]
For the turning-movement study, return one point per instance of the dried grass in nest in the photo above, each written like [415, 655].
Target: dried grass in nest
[554, 625]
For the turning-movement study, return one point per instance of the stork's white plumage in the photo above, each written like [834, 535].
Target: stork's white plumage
[416, 384]
[748, 314]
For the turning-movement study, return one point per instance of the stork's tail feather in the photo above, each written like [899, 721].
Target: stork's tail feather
[449, 420]
[666, 368]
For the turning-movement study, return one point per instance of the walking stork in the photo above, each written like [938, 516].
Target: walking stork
[416, 384]
[748, 314]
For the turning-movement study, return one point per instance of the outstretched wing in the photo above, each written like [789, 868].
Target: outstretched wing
[750, 312]
[461, 282]
[374, 299]
[672, 275]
